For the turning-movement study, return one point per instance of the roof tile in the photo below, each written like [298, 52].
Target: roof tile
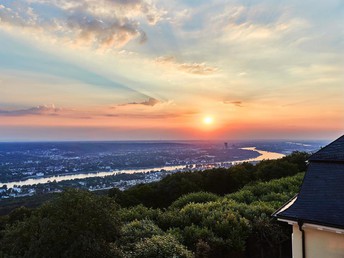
[321, 198]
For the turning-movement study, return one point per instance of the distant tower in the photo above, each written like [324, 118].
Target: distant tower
[226, 145]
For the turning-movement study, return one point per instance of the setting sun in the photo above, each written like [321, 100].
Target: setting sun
[208, 120]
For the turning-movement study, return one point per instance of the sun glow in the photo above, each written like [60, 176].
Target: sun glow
[208, 120]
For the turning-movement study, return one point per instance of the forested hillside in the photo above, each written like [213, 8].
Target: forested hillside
[219, 181]
[215, 213]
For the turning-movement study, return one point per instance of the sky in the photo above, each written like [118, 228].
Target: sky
[171, 70]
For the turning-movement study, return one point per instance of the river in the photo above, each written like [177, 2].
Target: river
[263, 155]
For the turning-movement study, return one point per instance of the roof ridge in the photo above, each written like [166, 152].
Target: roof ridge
[318, 155]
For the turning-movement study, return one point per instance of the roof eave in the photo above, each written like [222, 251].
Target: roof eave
[319, 223]
[284, 206]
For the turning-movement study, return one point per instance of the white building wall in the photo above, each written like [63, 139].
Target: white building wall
[319, 243]
[297, 242]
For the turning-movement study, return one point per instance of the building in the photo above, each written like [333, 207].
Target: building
[317, 212]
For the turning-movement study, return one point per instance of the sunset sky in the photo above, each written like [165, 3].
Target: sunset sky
[171, 70]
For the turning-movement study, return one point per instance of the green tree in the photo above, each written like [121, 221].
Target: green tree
[299, 159]
[202, 249]
[75, 224]
[165, 246]
[139, 212]
[199, 197]
[271, 169]
[135, 231]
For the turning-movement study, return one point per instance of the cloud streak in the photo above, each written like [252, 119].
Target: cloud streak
[191, 68]
[235, 103]
[46, 110]
[150, 102]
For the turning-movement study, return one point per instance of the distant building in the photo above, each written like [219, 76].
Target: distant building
[226, 145]
[317, 212]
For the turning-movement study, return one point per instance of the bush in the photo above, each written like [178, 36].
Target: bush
[165, 246]
[75, 224]
[199, 197]
[137, 230]
[139, 212]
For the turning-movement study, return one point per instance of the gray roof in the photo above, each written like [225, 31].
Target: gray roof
[334, 152]
[321, 198]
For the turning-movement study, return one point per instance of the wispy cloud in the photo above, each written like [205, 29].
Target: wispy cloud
[148, 109]
[193, 68]
[145, 116]
[150, 102]
[99, 24]
[235, 103]
[197, 68]
[47, 110]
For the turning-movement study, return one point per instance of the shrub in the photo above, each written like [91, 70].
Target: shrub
[199, 197]
[165, 246]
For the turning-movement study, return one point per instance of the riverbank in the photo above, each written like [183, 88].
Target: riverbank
[59, 178]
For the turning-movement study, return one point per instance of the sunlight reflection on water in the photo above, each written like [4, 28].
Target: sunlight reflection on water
[43, 180]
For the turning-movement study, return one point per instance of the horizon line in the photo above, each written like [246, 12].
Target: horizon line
[160, 140]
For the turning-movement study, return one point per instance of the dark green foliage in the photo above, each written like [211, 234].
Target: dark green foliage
[135, 231]
[235, 222]
[143, 238]
[19, 214]
[76, 224]
[199, 197]
[138, 212]
[275, 191]
[193, 234]
[223, 228]
[269, 170]
[15, 216]
[202, 249]
[218, 181]
[298, 158]
[139, 229]
[8, 205]
[165, 246]
[214, 213]
[115, 194]
[163, 193]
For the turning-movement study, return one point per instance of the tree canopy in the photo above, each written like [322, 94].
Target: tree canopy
[214, 213]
